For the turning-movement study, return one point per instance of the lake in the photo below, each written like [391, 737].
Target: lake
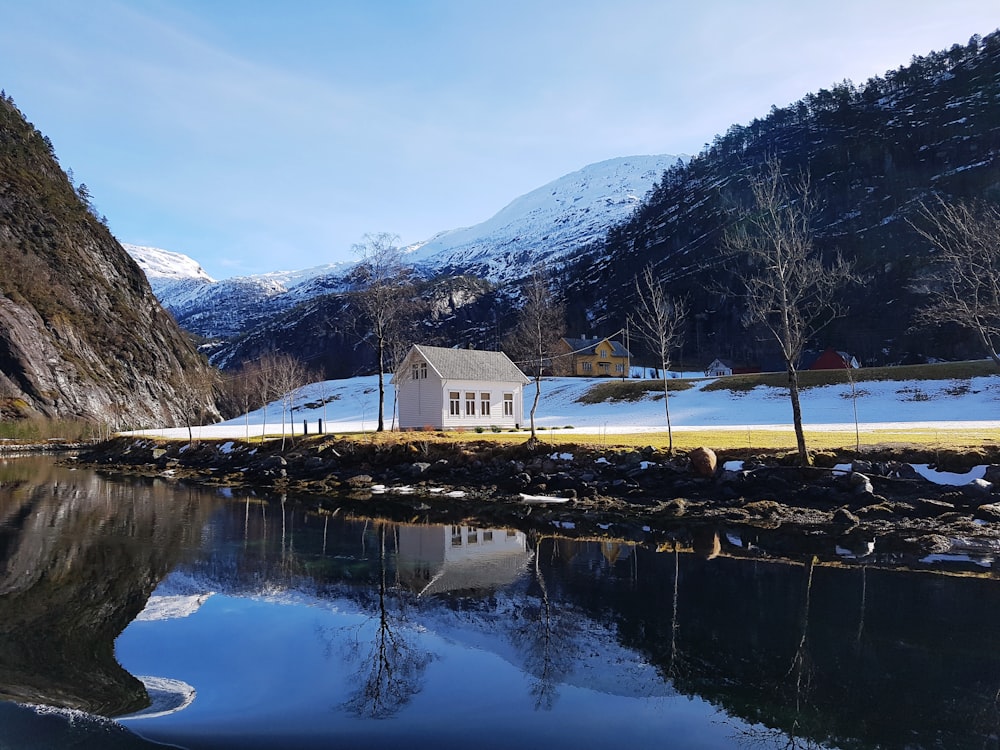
[136, 612]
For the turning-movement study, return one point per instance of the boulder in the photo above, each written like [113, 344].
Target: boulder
[703, 462]
[845, 517]
[978, 488]
[990, 512]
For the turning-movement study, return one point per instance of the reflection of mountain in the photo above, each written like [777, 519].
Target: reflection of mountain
[883, 654]
[831, 655]
[72, 576]
[167, 607]
[438, 559]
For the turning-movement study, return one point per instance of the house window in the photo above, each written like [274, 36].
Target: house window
[456, 403]
[456, 536]
[419, 371]
[473, 536]
[508, 404]
[588, 366]
[620, 368]
[484, 404]
[605, 368]
[487, 536]
[423, 370]
[604, 353]
[470, 404]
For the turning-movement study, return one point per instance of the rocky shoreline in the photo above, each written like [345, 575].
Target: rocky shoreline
[11, 447]
[879, 504]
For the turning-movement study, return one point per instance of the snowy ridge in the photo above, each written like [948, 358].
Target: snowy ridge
[226, 308]
[546, 224]
[166, 265]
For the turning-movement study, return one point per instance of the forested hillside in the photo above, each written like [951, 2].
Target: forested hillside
[874, 153]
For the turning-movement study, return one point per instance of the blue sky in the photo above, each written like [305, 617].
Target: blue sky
[257, 136]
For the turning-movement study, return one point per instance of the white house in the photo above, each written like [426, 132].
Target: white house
[718, 368]
[458, 388]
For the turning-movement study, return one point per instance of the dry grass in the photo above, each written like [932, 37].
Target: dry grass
[814, 378]
[751, 439]
[631, 390]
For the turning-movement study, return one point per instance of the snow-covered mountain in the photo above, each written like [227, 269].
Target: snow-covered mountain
[552, 223]
[162, 265]
[548, 224]
[231, 306]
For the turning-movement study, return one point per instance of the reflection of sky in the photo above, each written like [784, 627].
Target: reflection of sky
[279, 673]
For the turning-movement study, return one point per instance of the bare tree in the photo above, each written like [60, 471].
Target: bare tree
[197, 388]
[535, 339]
[789, 289]
[241, 392]
[289, 375]
[966, 286]
[659, 322]
[263, 377]
[382, 299]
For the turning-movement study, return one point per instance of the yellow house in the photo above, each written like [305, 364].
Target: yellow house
[593, 357]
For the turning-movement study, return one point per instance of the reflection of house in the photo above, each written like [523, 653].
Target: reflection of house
[593, 357]
[830, 359]
[435, 559]
[452, 388]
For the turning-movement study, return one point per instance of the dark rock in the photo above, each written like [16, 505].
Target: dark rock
[419, 468]
[860, 484]
[844, 516]
[928, 508]
[978, 489]
[901, 471]
[877, 512]
[675, 507]
[989, 512]
[359, 481]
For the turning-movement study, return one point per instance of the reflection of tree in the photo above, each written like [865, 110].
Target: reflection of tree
[545, 633]
[800, 672]
[799, 679]
[391, 672]
[674, 660]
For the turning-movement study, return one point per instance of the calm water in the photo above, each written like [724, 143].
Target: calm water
[145, 611]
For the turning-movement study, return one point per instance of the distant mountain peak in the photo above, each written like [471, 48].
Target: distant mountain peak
[546, 224]
[167, 265]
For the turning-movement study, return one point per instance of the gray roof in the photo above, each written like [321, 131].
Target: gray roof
[589, 345]
[469, 364]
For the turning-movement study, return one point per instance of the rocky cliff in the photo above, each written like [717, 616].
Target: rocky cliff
[81, 334]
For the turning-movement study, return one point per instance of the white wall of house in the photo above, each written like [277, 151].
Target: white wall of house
[428, 401]
[420, 401]
[485, 408]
